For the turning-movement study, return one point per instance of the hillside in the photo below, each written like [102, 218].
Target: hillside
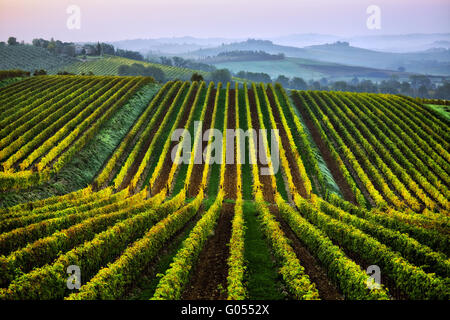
[109, 65]
[427, 62]
[355, 182]
[310, 69]
[29, 58]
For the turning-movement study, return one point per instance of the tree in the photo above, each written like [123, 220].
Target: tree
[99, 49]
[39, 72]
[166, 61]
[419, 80]
[196, 77]
[390, 86]
[221, 75]
[255, 76]
[354, 81]
[51, 45]
[316, 85]
[405, 88]
[298, 84]
[137, 69]
[423, 91]
[443, 92]
[284, 81]
[367, 86]
[12, 41]
[340, 86]
[107, 49]
[179, 62]
[129, 54]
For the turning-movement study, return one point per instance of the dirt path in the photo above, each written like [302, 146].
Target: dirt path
[230, 169]
[318, 275]
[326, 154]
[209, 278]
[295, 172]
[145, 287]
[197, 170]
[161, 180]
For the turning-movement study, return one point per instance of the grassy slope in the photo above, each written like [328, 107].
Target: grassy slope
[263, 281]
[331, 185]
[86, 164]
[443, 110]
[287, 67]
[8, 81]
[307, 69]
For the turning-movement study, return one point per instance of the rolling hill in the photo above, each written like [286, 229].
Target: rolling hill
[435, 62]
[310, 69]
[109, 65]
[29, 58]
[98, 183]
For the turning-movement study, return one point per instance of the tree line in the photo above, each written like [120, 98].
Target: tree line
[416, 86]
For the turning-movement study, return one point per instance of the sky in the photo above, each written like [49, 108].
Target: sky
[110, 20]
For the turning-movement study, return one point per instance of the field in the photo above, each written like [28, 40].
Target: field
[310, 69]
[109, 65]
[362, 181]
[30, 58]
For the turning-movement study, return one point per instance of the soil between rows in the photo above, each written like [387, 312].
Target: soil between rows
[295, 172]
[161, 180]
[327, 290]
[230, 169]
[137, 161]
[197, 170]
[209, 278]
[266, 182]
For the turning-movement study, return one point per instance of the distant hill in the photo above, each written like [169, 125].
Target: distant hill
[29, 58]
[401, 43]
[310, 69]
[437, 63]
[170, 46]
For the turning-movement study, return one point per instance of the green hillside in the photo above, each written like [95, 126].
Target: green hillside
[29, 58]
[309, 69]
[109, 65]
[426, 62]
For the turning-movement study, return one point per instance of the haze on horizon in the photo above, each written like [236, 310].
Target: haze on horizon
[111, 20]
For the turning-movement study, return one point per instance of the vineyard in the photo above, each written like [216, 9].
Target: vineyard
[30, 58]
[109, 66]
[362, 181]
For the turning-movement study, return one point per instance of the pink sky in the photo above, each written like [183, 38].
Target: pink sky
[109, 20]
